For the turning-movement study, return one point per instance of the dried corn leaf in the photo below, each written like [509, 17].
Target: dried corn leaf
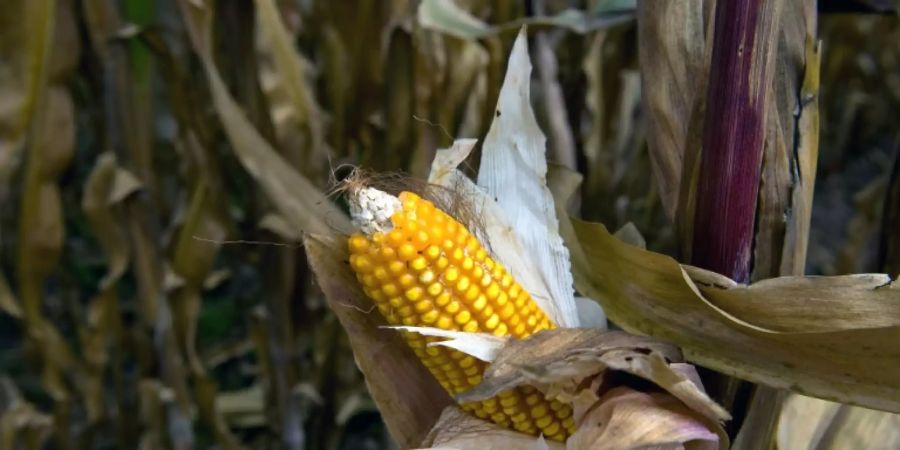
[292, 72]
[41, 225]
[754, 332]
[8, 302]
[788, 171]
[106, 186]
[22, 426]
[296, 198]
[290, 64]
[447, 17]
[25, 46]
[408, 397]
[560, 359]
[460, 431]
[580, 366]
[671, 40]
[628, 419]
[809, 424]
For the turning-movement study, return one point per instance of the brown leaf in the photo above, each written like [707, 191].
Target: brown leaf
[460, 431]
[628, 419]
[559, 360]
[755, 332]
[673, 68]
[791, 149]
[408, 397]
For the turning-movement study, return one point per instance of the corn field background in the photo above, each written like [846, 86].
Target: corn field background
[153, 293]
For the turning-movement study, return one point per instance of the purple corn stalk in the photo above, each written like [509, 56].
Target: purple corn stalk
[733, 137]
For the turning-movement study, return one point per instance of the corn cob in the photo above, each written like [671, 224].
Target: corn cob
[425, 269]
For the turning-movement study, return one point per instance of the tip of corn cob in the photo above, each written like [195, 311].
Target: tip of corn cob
[371, 210]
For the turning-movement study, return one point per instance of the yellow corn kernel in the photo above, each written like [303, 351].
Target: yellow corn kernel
[430, 271]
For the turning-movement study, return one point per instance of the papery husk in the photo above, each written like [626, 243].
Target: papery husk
[558, 360]
[513, 172]
[628, 419]
[461, 431]
[409, 398]
[584, 367]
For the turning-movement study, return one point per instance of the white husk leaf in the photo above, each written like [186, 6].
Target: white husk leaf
[446, 160]
[480, 345]
[496, 230]
[590, 313]
[514, 172]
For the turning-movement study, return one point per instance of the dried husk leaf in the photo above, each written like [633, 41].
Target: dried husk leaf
[408, 397]
[628, 419]
[513, 172]
[494, 227]
[558, 360]
[480, 345]
[458, 430]
[579, 366]
[753, 336]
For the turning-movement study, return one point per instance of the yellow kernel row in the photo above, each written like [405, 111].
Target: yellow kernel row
[430, 271]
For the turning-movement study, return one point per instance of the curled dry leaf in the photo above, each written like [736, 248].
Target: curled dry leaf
[561, 358]
[584, 367]
[628, 419]
[774, 332]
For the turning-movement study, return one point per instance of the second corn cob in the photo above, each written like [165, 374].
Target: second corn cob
[423, 268]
